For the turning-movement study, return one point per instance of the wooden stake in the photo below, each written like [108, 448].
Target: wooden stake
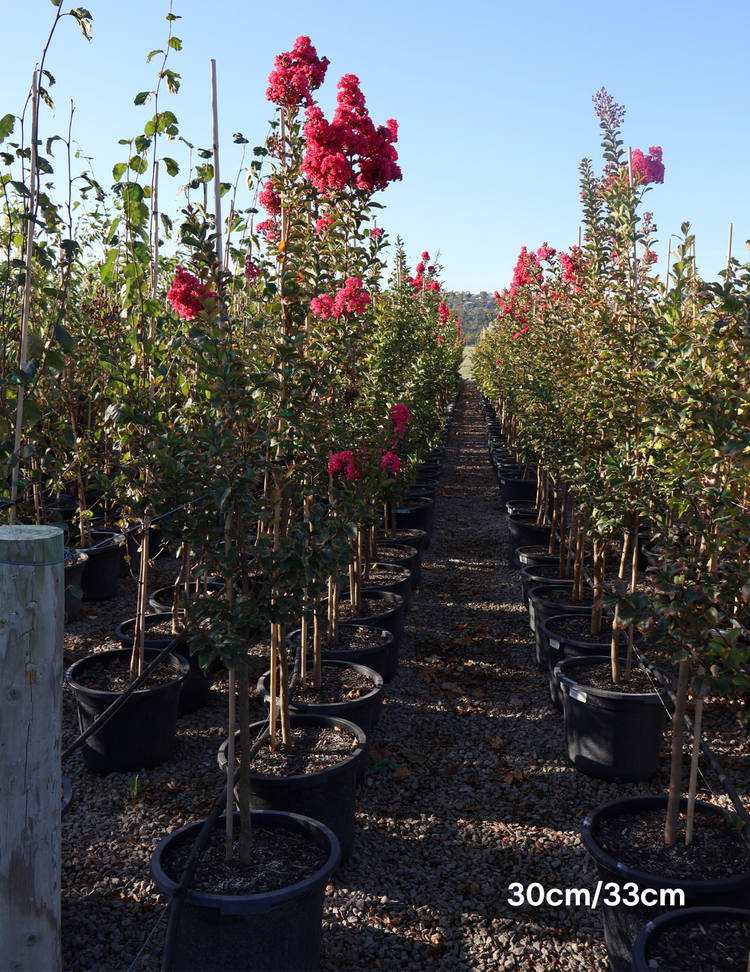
[217, 185]
[563, 524]
[694, 769]
[31, 678]
[729, 249]
[273, 687]
[230, 765]
[675, 779]
[243, 788]
[669, 263]
[26, 307]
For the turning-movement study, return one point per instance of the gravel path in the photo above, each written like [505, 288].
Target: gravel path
[472, 790]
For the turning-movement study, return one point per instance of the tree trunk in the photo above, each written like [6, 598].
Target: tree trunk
[675, 777]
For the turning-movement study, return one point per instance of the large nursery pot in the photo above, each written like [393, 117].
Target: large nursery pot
[278, 930]
[101, 575]
[374, 656]
[536, 555]
[196, 689]
[514, 487]
[414, 514]
[561, 646]
[361, 711]
[415, 538]
[524, 532]
[543, 575]
[163, 597]
[142, 732]
[389, 615]
[327, 796]
[609, 734]
[541, 607]
[400, 583]
[403, 555]
[622, 923]
[74, 568]
[704, 937]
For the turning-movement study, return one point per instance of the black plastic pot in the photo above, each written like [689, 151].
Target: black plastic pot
[374, 657]
[622, 923]
[73, 576]
[101, 575]
[610, 735]
[403, 555]
[401, 583]
[696, 919]
[139, 735]
[251, 932]
[391, 618]
[531, 556]
[528, 508]
[516, 488]
[542, 575]
[539, 609]
[196, 689]
[560, 647]
[360, 711]
[415, 514]
[327, 796]
[163, 598]
[524, 532]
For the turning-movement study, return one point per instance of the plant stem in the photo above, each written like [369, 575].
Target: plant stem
[675, 777]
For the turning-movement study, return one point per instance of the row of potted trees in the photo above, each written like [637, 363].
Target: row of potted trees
[263, 403]
[616, 403]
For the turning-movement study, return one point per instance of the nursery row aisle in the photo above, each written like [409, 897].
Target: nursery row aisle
[473, 791]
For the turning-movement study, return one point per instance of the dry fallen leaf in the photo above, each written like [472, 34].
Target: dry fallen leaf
[378, 752]
[450, 687]
[478, 693]
[414, 757]
[462, 641]
[401, 773]
[450, 769]
[494, 742]
[462, 624]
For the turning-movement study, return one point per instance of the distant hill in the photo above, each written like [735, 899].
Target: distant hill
[474, 311]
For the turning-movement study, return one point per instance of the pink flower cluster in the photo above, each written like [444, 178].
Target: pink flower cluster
[418, 281]
[270, 230]
[518, 334]
[187, 294]
[572, 266]
[252, 270]
[270, 199]
[390, 461]
[376, 232]
[322, 224]
[345, 462]
[443, 312]
[350, 300]
[545, 252]
[648, 168]
[400, 416]
[296, 74]
[349, 150]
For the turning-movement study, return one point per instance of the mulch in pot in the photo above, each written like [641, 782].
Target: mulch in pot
[579, 629]
[371, 607]
[637, 840]
[115, 677]
[721, 946]
[380, 575]
[563, 597]
[350, 639]
[314, 748]
[600, 676]
[338, 685]
[280, 858]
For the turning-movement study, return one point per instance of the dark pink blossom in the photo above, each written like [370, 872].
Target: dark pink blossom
[376, 232]
[443, 312]
[187, 294]
[269, 228]
[296, 74]
[426, 256]
[270, 199]
[400, 416]
[252, 270]
[351, 300]
[648, 168]
[390, 461]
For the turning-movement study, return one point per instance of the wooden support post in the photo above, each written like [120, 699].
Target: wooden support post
[31, 669]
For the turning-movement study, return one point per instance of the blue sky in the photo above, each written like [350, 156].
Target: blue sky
[493, 102]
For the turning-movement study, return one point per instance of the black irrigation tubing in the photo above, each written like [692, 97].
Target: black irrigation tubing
[121, 699]
[180, 893]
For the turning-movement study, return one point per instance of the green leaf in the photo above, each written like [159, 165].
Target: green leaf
[44, 95]
[55, 3]
[175, 43]
[7, 123]
[239, 139]
[31, 412]
[171, 16]
[55, 362]
[138, 164]
[224, 188]
[118, 170]
[84, 18]
[75, 591]
[153, 54]
[49, 77]
[142, 143]
[132, 192]
[64, 337]
[143, 97]
[172, 167]
[43, 165]
[35, 346]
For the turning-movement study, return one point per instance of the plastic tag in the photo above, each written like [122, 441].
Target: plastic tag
[554, 644]
[575, 693]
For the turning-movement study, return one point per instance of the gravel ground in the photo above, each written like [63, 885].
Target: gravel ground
[473, 790]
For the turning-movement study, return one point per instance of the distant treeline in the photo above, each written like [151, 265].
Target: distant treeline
[474, 311]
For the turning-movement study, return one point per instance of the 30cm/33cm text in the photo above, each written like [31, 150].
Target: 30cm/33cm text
[611, 894]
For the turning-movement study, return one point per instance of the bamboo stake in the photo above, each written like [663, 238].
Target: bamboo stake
[217, 185]
[243, 788]
[230, 765]
[570, 538]
[16, 471]
[669, 262]
[555, 513]
[675, 779]
[317, 655]
[694, 770]
[729, 249]
[563, 523]
[633, 585]
[272, 686]
[579, 237]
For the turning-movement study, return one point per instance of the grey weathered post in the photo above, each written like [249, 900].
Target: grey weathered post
[32, 594]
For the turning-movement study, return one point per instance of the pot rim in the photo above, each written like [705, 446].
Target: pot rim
[629, 805]
[649, 934]
[250, 903]
[645, 697]
[182, 666]
[312, 708]
[352, 624]
[304, 780]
